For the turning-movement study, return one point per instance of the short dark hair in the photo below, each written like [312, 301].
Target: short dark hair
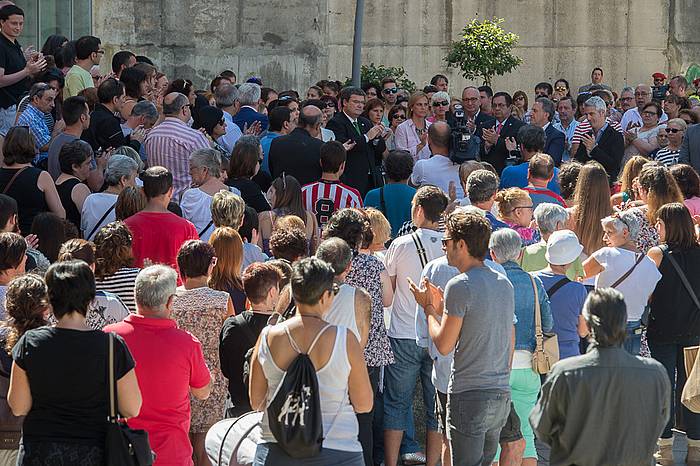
[86, 46]
[337, 253]
[8, 208]
[278, 117]
[349, 91]
[505, 95]
[244, 157]
[487, 90]
[311, 278]
[333, 155]
[545, 85]
[73, 153]
[132, 79]
[77, 249]
[71, 287]
[388, 80]
[541, 166]
[482, 185]
[109, 89]
[258, 279]
[73, 108]
[289, 244]
[12, 250]
[348, 224]
[430, 88]
[156, 181]
[597, 68]
[194, 258]
[656, 106]
[250, 222]
[434, 80]
[685, 175]
[440, 134]
[605, 313]
[144, 59]
[19, 145]
[120, 59]
[471, 228]
[547, 107]
[398, 165]
[9, 10]
[265, 93]
[432, 200]
[531, 137]
[569, 98]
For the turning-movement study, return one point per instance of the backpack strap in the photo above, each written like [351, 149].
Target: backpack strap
[557, 286]
[102, 219]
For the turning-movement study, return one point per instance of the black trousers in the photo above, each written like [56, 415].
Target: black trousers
[365, 421]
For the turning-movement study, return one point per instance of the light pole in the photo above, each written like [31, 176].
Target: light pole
[357, 43]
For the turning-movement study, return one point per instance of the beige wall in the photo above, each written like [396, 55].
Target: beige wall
[303, 40]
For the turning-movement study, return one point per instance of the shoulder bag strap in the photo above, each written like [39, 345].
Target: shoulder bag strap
[627, 274]
[102, 219]
[211, 222]
[420, 249]
[538, 317]
[682, 276]
[12, 180]
[382, 202]
[557, 286]
[112, 384]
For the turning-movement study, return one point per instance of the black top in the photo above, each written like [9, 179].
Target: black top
[25, 190]
[360, 159]
[67, 371]
[250, 192]
[674, 318]
[234, 343]
[105, 131]
[65, 190]
[608, 152]
[498, 153]
[11, 61]
[297, 154]
[238, 299]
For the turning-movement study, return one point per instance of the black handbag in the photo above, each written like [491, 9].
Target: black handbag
[123, 446]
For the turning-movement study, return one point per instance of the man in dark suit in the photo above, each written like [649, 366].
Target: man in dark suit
[505, 126]
[605, 144]
[690, 148]
[248, 96]
[476, 119]
[554, 140]
[356, 132]
[299, 153]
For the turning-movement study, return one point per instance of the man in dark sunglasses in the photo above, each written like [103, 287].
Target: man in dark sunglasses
[389, 91]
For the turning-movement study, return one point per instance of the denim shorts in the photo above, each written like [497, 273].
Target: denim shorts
[7, 119]
[411, 362]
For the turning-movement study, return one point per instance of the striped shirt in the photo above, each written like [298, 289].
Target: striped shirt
[584, 127]
[121, 284]
[322, 198]
[667, 156]
[169, 145]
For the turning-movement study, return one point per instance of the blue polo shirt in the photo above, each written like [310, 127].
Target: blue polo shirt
[516, 177]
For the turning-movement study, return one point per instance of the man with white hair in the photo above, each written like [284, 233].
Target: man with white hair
[549, 218]
[226, 96]
[603, 143]
[248, 96]
[167, 357]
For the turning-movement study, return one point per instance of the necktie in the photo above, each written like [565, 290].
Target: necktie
[498, 128]
[356, 124]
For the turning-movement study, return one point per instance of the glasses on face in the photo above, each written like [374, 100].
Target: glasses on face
[390, 90]
[335, 289]
[445, 240]
[626, 99]
[186, 106]
[560, 88]
[398, 117]
[471, 99]
[649, 114]
[641, 94]
[330, 105]
[222, 122]
[100, 51]
[523, 207]
[519, 98]
[444, 103]
[673, 130]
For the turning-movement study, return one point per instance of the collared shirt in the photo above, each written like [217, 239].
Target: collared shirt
[407, 139]
[233, 133]
[569, 135]
[34, 118]
[169, 145]
[12, 61]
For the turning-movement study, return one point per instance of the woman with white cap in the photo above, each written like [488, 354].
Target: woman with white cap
[566, 297]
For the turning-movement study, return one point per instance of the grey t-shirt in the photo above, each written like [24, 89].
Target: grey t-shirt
[58, 142]
[485, 300]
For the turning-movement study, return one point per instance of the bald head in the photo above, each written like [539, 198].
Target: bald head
[310, 118]
[439, 135]
[642, 95]
[174, 105]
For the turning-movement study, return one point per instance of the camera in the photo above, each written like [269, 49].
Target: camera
[464, 145]
[659, 92]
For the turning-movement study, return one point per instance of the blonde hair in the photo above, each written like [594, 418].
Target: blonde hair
[592, 199]
[509, 199]
[631, 171]
[227, 209]
[289, 222]
[415, 97]
[379, 224]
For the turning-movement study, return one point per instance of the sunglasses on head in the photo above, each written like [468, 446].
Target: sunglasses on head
[390, 90]
[443, 103]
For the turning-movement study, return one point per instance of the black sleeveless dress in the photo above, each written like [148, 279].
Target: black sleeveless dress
[25, 190]
[64, 193]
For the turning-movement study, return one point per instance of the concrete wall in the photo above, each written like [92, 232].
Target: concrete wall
[304, 40]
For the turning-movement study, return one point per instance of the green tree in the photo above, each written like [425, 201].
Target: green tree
[375, 74]
[484, 51]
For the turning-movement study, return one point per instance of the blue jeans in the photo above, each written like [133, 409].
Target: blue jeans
[411, 362]
[670, 355]
[474, 421]
[633, 342]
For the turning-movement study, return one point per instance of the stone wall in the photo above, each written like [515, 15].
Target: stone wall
[304, 40]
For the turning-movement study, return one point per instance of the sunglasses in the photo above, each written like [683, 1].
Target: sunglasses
[222, 122]
[673, 130]
[444, 103]
[335, 289]
[560, 88]
[445, 240]
[330, 105]
[398, 117]
[390, 90]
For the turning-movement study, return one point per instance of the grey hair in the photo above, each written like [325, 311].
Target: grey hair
[505, 244]
[38, 90]
[119, 166]
[133, 155]
[154, 286]
[336, 252]
[481, 185]
[174, 107]
[207, 158]
[249, 94]
[623, 220]
[605, 313]
[440, 96]
[627, 89]
[225, 95]
[548, 216]
[145, 108]
[597, 103]
[547, 106]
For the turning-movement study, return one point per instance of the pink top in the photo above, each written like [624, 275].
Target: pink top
[693, 205]
[407, 139]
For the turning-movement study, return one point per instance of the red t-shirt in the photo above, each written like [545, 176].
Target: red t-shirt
[158, 236]
[168, 362]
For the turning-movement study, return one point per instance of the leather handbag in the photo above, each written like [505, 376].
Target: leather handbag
[547, 345]
[123, 446]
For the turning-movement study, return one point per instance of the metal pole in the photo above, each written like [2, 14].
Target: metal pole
[357, 43]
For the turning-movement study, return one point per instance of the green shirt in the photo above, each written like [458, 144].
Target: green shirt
[533, 260]
[77, 79]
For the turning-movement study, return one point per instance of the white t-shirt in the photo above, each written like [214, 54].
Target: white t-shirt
[402, 261]
[94, 208]
[637, 287]
[438, 170]
[196, 207]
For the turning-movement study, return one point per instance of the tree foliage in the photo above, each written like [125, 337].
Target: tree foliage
[484, 51]
[375, 73]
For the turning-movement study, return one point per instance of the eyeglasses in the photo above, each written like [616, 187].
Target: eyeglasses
[519, 98]
[673, 130]
[390, 90]
[186, 106]
[625, 99]
[444, 240]
[523, 207]
[649, 114]
[641, 94]
[100, 51]
[330, 105]
[335, 289]
[444, 103]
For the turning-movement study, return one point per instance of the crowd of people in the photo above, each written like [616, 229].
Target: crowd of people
[224, 233]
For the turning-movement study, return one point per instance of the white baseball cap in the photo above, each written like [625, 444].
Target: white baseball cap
[563, 248]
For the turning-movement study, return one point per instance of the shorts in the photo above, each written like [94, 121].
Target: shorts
[441, 411]
[511, 431]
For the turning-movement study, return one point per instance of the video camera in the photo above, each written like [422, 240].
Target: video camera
[464, 144]
[659, 92]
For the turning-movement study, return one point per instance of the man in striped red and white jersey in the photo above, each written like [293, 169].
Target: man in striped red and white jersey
[328, 194]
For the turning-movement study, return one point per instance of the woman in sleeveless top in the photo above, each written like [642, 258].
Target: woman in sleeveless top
[74, 159]
[344, 387]
[33, 189]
